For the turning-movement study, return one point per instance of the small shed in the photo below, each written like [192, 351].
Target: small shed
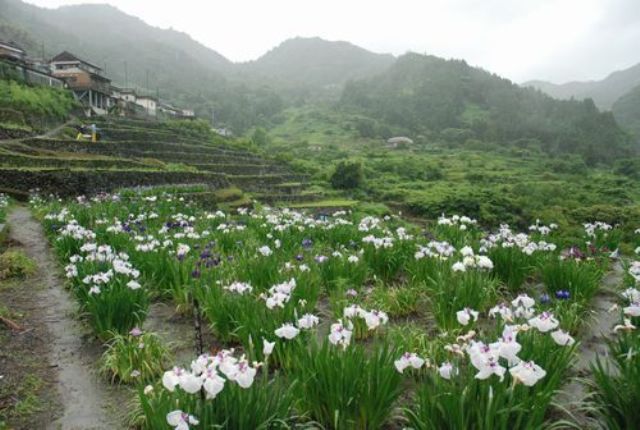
[394, 142]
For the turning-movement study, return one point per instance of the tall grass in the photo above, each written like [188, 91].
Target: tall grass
[616, 385]
[347, 388]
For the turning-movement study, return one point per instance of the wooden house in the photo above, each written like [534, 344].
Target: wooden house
[90, 87]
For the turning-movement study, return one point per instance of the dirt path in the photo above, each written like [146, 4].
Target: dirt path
[71, 352]
[597, 329]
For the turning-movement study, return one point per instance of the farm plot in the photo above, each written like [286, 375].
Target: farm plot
[344, 321]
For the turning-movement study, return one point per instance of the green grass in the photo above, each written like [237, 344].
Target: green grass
[336, 203]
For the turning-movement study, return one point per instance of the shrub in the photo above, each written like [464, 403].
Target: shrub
[347, 175]
[134, 357]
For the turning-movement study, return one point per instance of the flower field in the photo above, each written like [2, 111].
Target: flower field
[346, 321]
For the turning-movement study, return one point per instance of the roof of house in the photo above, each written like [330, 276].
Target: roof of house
[68, 56]
[399, 139]
[12, 45]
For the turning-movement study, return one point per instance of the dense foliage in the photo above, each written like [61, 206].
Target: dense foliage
[33, 102]
[347, 175]
[627, 111]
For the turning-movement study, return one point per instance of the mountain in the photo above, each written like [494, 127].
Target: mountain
[316, 64]
[428, 95]
[604, 93]
[182, 70]
[136, 54]
[627, 111]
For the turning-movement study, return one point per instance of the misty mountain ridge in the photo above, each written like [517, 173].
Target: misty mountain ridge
[604, 92]
[315, 62]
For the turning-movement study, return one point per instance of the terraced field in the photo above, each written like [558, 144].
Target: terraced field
[138, 153]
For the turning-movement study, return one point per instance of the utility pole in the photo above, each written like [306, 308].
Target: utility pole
[126, 77]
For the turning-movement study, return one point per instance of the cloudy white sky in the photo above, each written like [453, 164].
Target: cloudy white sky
[556, 40]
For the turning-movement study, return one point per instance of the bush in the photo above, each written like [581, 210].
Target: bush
[135, 357]
[347, 175]
[629, 167]
[35, 101]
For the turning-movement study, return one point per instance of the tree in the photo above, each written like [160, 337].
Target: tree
[348, 175]
[260, 137]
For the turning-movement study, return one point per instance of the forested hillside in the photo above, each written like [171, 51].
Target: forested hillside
[430, 96]
[627, 111]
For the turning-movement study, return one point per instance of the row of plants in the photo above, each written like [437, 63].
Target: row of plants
[23, 160]
[67, 182]
[341, 321]
[143, 149]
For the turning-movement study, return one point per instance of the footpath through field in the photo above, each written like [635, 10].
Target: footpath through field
[71, 354]
[593, 345]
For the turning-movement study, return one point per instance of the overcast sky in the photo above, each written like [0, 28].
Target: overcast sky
[556, 40]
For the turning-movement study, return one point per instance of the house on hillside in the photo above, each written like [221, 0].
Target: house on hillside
[399, 141]
[168, 110]
[90, 87]
[124, 100]
[149, 103]
[12, 52]
[31, 71]
[126, 94]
